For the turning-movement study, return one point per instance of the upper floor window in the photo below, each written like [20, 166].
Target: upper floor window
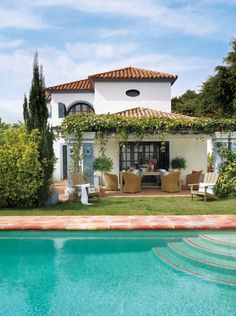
[61, 110]
[132, 93]
[80, 108]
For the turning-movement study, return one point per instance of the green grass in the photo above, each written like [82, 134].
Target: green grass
[133, 206]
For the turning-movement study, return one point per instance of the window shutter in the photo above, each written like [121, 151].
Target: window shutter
[49, 107]
[61, 110]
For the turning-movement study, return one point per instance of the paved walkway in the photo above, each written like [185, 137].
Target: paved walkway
[117, 222]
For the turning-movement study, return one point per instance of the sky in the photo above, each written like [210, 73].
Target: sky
[77, 38]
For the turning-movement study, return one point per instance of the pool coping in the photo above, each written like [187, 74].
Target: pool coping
[152, 222]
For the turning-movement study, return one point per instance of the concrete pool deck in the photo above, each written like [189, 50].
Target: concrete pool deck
[118, 222]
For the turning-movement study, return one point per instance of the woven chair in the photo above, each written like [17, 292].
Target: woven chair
[80, 179]
[132, 182]
[206, 188]
[111, 181]
[171, 182]
[193, 179]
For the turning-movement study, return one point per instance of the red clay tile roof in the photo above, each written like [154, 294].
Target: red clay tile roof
[133, 73]
[119, 74]
[145, 112]
[85, 84]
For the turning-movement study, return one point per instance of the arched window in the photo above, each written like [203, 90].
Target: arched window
[80, 107]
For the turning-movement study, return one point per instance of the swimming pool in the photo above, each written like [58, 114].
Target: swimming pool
[118, 273]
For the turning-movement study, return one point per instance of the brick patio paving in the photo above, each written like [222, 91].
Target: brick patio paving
[117, 222]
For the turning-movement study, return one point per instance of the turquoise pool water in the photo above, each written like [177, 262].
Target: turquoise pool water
[118, 273]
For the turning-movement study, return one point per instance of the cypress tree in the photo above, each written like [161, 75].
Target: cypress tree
[35, 116]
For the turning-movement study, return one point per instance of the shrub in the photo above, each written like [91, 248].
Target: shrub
[178, 163]
[21, 175]
[226, 182]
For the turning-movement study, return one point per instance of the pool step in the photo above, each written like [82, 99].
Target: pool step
[191, 253]
[207, 256]
[195, 268]
[211, 246]
[224, 240]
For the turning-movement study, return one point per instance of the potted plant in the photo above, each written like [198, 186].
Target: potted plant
[102, 164]
[178, 163]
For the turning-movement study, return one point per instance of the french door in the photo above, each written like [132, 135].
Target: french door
[133, 154]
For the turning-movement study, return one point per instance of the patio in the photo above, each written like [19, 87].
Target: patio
[60, 186]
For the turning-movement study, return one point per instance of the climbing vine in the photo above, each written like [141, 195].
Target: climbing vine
[101, 139]
[121, 127]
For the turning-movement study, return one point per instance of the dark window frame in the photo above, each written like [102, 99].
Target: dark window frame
[61, 110]
[80, 107]
[137, 152]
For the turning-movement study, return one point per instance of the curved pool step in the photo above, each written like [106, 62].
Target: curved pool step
[211, 247]
[224, 240]
[191, 253]
[195, 268]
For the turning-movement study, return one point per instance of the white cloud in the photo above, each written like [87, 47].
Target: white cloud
[110, 33]
[6, 43]
[22, 19]
[11, 110]
[98, 50]
[188, 18]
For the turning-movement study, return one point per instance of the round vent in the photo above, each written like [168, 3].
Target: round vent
[132, 93]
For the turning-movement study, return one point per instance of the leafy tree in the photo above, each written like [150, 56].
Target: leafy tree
[219, 94]
[35, 115]
[187, 104]
[217, 97]
[21, 174]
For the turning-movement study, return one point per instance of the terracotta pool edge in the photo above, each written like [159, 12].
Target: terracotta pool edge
[75, 223]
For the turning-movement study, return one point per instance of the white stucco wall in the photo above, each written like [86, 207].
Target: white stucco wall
[192, 147]
[111, 96]
[67, 99]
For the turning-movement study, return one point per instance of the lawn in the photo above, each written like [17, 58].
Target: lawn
[133, 206]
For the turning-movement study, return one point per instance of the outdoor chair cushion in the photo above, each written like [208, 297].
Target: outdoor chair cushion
[193, 178]
[206, 188]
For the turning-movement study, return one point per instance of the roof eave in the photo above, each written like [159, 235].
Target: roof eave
[70, 91]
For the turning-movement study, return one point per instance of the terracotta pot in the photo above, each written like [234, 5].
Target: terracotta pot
[102, 192]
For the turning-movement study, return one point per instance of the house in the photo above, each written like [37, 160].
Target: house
[128, 92]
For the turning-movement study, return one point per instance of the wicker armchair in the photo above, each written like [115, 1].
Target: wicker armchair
[111, 181]
[132, 182]
[193, 178]
[171, 182]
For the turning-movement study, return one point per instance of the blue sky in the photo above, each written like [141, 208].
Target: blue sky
[76, 38]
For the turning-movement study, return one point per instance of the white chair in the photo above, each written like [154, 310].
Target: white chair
[206, 188]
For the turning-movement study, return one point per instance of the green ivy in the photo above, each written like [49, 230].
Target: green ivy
[226, 182]
[121, 127]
